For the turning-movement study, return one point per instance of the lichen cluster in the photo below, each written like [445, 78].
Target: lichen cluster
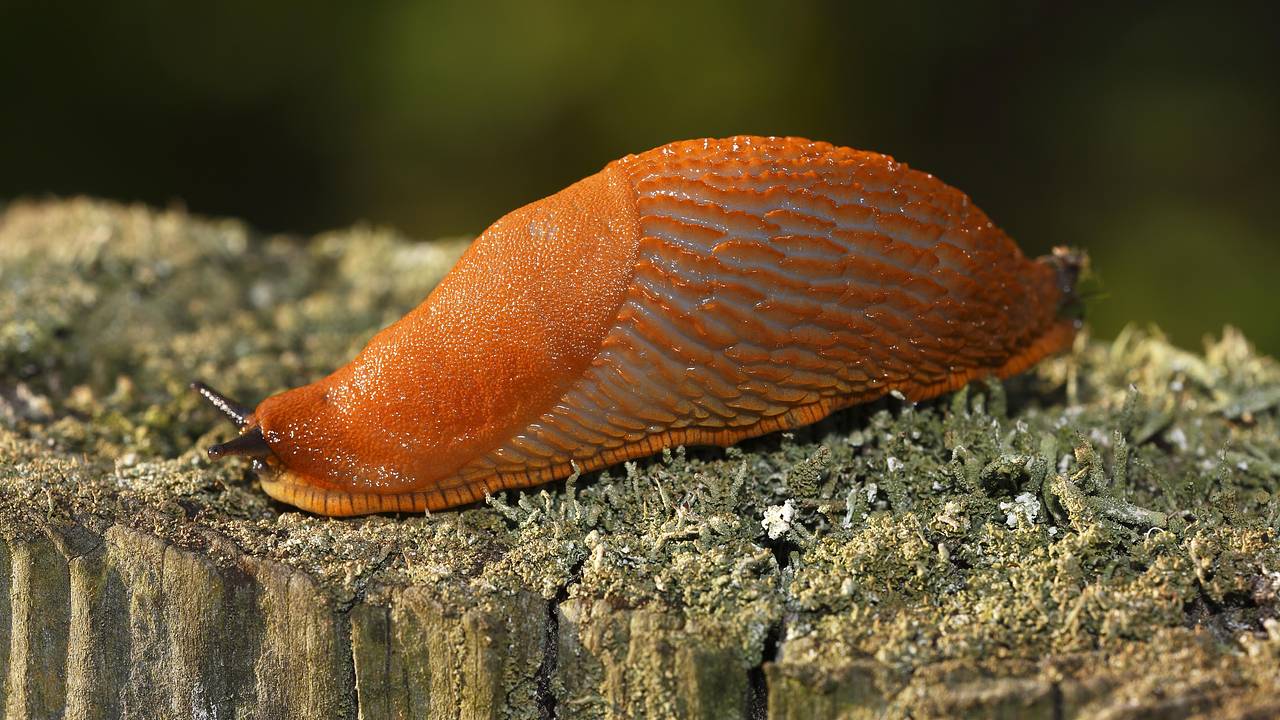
[1109, 520]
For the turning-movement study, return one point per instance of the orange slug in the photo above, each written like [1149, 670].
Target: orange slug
[699, 293]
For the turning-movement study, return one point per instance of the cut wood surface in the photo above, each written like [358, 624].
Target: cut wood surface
[1095, 539]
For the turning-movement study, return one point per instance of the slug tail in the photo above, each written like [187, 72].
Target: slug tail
[1056, 339]
[1069, 265]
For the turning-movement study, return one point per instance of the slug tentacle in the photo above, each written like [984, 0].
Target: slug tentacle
[1068, 265]
[236, 412]
[250, 444]
[703, 292]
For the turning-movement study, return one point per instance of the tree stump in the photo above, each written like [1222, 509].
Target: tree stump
[1098, 538]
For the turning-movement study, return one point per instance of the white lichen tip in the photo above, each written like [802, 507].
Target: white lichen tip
[777, 519]
[1023, 506]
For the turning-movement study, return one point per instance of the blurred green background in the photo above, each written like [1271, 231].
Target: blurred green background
[1147, 136]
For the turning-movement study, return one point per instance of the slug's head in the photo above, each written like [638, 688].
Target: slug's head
[281, 474]
[250, 443]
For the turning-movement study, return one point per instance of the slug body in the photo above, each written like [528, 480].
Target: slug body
[700, 293]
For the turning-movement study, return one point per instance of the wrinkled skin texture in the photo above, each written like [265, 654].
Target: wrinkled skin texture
[703, 292]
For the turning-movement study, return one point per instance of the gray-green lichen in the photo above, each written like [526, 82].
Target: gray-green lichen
[1106, 525]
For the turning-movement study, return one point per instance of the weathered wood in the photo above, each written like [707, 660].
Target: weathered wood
[40, 606]
[800, 690]
[98, 659]
[148, 628]
[6, 619]
[621, 662]
[421, 659]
